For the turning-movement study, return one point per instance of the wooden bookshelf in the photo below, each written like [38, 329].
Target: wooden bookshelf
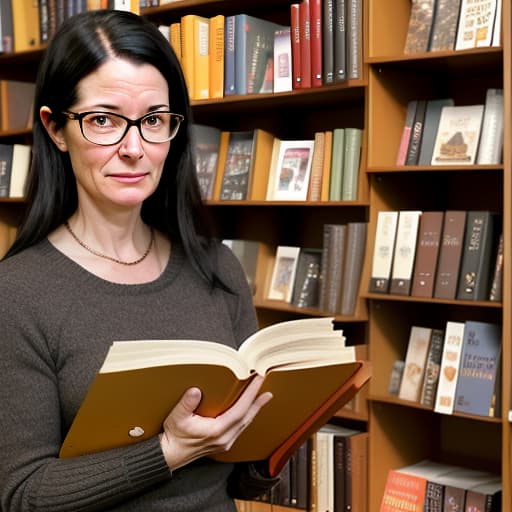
[401, 433]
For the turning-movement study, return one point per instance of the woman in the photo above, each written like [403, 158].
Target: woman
[110, 250]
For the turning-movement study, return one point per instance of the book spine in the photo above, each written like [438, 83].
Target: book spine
[283, 80]
[229, 56]
[328, 42]
[497, 280]
[491, 139]
[413, 150]
[385, 234]
[476, 256]
[406, 132]
[340, 40]
[429, 386]
[336, 258]
[201, 55]
[354, 39]
[316, 43]
[5, 168]
[450, 254]
[450, 363]
[305, 42]
[241, 57]
[427, 251]
[351, 161]
[296, 46]
[317, 166]
[338, 153]
[404, 254]
[216, 85]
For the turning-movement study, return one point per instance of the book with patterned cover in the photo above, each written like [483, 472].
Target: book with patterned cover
[420, 24]
[444, 29]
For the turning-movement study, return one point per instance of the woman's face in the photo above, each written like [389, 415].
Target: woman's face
[126, 173]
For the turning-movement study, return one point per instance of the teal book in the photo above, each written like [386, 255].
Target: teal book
[479, 369]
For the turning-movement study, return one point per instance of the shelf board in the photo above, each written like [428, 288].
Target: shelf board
[482, 59]
[434, 168]
[431, 300]
[287, 204]
[414, 405]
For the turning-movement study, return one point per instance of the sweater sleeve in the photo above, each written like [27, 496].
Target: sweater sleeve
[32, 475]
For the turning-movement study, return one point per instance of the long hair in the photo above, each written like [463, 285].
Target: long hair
[80, 46]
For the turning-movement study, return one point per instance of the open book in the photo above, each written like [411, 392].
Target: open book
[308, 368]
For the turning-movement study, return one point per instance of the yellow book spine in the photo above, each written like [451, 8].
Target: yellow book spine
[217, 56]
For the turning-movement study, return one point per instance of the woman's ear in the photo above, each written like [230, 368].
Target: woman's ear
[55, 133]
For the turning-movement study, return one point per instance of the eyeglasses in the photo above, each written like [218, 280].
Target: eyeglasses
[107, 128]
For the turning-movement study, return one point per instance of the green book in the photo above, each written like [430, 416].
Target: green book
[351, 161]
[336, 182]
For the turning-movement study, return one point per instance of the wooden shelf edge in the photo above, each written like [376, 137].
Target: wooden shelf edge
[432, 300]
[432, 168]
[249, 202]
[413, 405]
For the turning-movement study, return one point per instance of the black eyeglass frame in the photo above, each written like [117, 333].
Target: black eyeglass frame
[79, 116]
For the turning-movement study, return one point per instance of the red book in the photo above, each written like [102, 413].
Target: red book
[305, 43]
[296, 58]
[315, 8]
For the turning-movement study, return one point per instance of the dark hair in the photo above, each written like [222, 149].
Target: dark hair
[80, 46]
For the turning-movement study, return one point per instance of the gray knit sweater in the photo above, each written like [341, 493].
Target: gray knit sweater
[57, 321]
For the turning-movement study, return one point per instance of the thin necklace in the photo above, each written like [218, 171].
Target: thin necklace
[105, 256]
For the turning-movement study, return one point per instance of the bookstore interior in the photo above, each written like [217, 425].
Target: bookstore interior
[355, 156]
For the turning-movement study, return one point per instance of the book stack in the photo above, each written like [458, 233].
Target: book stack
[257, 165]
[437, 132]
[325, 279]
[436, 254]
[429, 485]
[443, 25]
[453, 369]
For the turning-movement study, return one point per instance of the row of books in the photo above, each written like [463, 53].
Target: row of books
[455, 254]
[327, 473]
[256, 165]
[430, 485]
[437, 132]
[327, 279]
[441, 25]
[14, 165]
[26, 24]
[454, 369]
[16, 104]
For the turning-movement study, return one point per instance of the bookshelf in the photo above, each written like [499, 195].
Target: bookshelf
[400, 433]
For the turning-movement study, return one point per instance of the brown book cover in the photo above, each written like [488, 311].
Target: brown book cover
[420, 24]
[296, 47]
[356, 475]
[497, 279]
[317, 167]
[485, 497]
[444, 29]
[450, 253]
[475, 270]
[427, 251]
[117, 412]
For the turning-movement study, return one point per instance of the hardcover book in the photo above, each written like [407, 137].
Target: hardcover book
[305, 43]
[432, 368]
[385, 233]
[6, 151]
[21, 156]
[316, 29]
[415, 363]
[427, 251]
[283, 80]
[413, 150]
[477, 252]
[283, 273]
[337, 165]
[485, 497]
[405, 251]
[317, 168]
[291, 169]
[351, 161]
[458, 135]
[476, 23]
[480, 360]
[328, 41]
[444, 29]
[117, 400]
[450, 363]
[490, 147]
[420, 24]
[216, 60]
[229, 56]
[296, 51]
[450, 254]
[206, 140]
[497, 277]
[307, 279]
[406, 132]
[340, 37]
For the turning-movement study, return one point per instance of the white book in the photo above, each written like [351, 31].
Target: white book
[385, 234]
[405, 252]
[496, 33]
[282, 60]
[21, 156]
[491, 140]
[476, 24]
[415, 362]
[283, 274]
[458, 135]
[450, 364]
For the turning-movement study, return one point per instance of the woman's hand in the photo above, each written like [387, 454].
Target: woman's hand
[187, 436]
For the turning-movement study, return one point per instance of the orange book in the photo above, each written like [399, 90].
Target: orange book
[195, 55]
[317, 168]
[290, 355]
[260, 166]
[221, 162]
[175, 38]
[25, 18]
[217, 56]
